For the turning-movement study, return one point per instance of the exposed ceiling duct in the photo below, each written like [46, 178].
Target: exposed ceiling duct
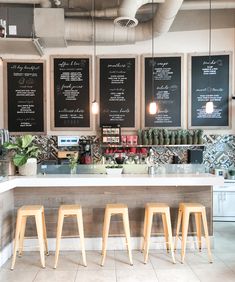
[81, 29]
[42, 3]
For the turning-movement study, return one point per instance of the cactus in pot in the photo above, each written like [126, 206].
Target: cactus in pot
[184, 137]
[155, 137]
[166, 137]
[172, 139]
[195, 137]
[150, 136]
[161, 139]
[144, 137]
[178, 137]
[200, 136]
[190, 137]
[139, 133]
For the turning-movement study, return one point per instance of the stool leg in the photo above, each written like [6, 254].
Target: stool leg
[45, 233]
[204, 220]
[148, 233]
[81, 233]
[178, 227]
[170, 239]
[144, 231]
[107, 218]
[165, 231]
[199, 230]
[22, 232]
[39, 226]
[16, 243]
[58, 236]
[184, 234]
[127, 233]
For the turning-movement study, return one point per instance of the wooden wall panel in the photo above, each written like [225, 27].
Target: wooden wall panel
[94, 199]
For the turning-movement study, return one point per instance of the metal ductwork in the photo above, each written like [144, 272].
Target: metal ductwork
[107, 32]
[50, 35]
[42, 3]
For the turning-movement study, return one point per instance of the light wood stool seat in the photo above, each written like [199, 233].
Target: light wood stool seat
[150, 210]
[199, 211]
[112, 209]
[38, 212]
[66, 211]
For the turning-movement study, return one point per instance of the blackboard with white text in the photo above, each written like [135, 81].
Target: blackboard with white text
[210, 82]
[162, 83]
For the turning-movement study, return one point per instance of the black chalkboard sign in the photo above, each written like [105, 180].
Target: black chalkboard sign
[117, 88]
[25, 96]
[71, 92]
[166, 92]
[209, 81]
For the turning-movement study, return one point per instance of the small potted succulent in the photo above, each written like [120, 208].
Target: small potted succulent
[24, 154]
[73, 163]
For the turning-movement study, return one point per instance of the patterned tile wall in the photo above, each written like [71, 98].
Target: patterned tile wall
[219, 150]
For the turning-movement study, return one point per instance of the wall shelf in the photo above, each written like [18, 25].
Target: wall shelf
[149, 146]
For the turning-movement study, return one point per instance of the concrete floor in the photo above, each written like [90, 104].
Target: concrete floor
[117, 269]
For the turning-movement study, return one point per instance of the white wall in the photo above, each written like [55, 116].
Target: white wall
[170, 43]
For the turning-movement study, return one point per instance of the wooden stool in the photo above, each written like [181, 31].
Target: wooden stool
[183, 215]
[110, 210]
[66, 211]
[150, 210]
[22, 214]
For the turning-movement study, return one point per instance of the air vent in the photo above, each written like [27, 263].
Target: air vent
[126, 22]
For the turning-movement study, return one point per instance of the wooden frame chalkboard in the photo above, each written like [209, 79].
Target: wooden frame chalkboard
[217, 86]
[168, 90]
[71, 91]
[117, 88]
[25, 96]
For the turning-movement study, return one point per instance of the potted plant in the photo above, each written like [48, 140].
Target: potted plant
[73, 163]
[24, 155]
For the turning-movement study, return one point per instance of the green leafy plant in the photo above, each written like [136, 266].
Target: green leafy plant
[73, 161]
[23, 149]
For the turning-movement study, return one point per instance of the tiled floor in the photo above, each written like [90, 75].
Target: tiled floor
[117, 269]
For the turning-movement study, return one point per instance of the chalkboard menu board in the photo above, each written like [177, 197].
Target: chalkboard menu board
[71, 92]
[25, 96]
[117, 90]
[209, 81]
[162, 83]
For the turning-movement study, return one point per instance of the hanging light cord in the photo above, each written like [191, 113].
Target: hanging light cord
[209, 48]
[152, 55]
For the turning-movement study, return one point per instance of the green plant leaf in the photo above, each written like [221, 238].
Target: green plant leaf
[19, 159]
[27, 140]
[10, 146]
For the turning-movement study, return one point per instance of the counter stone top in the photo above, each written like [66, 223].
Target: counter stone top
[99, 180]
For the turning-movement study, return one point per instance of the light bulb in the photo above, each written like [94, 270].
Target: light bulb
[152, 108]
[94, 107]
[209, 107]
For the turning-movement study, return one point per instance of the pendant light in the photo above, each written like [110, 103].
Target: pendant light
[153, 104]
[94, 104]
[209, 104]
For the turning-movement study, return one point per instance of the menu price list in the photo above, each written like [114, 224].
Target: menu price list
[117, 91]
[25, 97]
[210, 82]
[163, 85]
[71, 92]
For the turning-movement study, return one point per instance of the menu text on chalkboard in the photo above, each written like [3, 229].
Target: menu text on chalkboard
[162, 84]
[117, 91]
[25, 97]
[71, 92]
[209, 82]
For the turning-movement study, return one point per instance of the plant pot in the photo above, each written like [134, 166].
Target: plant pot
[28, 169]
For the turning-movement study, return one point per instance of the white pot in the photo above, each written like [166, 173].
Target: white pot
[30, 168]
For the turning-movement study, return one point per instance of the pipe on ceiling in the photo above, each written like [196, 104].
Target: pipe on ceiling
[106, 31]
[42, 3]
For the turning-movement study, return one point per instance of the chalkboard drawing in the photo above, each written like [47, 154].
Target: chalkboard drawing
[21, 81]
